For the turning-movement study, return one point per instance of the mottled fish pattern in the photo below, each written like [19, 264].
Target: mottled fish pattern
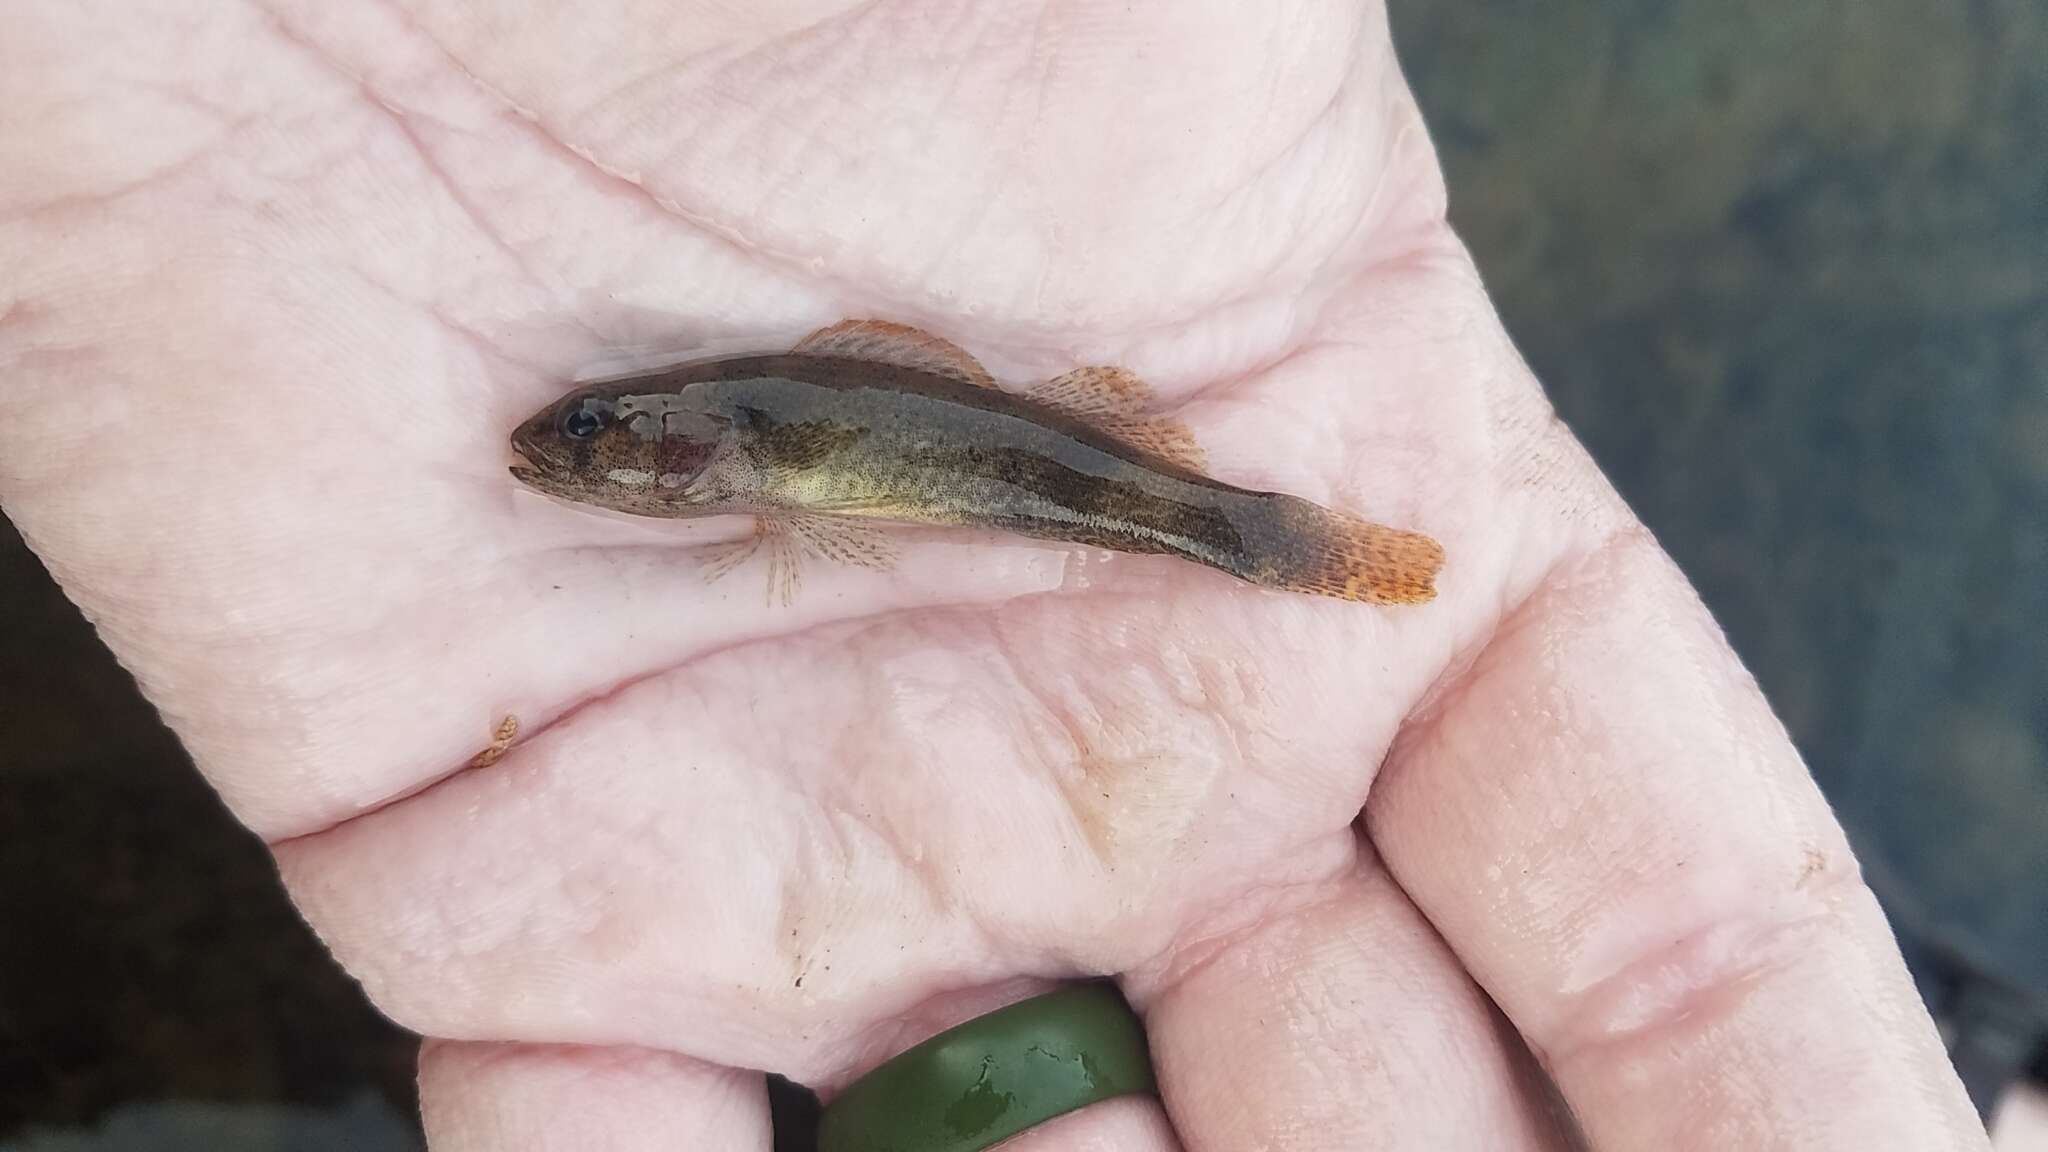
[868, 423]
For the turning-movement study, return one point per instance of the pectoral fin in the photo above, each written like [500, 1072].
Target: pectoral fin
[787, 536]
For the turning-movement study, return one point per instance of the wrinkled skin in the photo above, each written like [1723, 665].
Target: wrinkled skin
[275, 282]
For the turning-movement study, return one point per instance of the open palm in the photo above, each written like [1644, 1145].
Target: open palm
[277, 279]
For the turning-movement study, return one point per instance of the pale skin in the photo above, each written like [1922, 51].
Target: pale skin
[277, 279]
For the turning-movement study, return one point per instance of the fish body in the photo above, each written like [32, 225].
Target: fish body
[824, 442]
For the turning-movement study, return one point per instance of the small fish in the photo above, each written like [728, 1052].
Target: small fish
[868, 422]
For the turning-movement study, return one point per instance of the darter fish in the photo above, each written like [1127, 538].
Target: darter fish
[867, 423]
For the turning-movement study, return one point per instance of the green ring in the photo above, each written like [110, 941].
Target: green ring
[983, 1082]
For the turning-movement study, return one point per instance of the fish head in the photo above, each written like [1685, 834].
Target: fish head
[642, 453]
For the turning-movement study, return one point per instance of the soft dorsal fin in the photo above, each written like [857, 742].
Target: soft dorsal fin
[884, 342]
[1113, 402]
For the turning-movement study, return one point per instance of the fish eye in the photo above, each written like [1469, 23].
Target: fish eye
[581, 423]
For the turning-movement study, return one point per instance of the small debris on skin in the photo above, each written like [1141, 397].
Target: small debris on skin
[501, 741]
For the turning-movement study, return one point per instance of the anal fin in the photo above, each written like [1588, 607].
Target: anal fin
[885, 342]
[1114, 402]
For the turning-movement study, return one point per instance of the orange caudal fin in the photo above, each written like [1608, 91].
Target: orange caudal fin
[1332, 554]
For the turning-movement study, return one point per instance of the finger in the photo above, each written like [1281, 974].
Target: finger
[1119, 1124]
[516, 1098]
[1344, 1023]
[1125, 1124]
[1612, 831]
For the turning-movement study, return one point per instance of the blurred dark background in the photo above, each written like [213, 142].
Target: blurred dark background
[1784, 267]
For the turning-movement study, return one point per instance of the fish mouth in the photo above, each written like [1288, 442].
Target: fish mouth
[545, 483]
[523, 471]
[528, 471]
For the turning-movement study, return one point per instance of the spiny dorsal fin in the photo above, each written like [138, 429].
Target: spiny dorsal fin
[1113, 401]
[887, 343]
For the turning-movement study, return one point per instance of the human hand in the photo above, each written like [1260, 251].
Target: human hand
[277, 281]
